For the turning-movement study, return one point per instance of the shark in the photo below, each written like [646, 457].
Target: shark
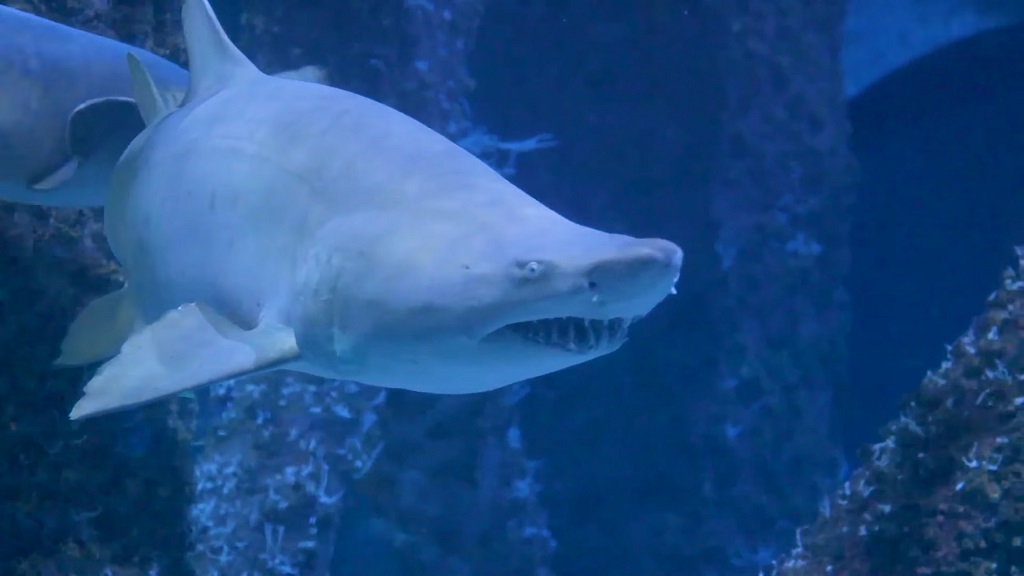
[67, 112]
[270, 224]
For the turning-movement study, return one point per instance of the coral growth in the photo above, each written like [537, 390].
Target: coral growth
[943, 492]
[274, 457]
[72, 495]
[69, 488]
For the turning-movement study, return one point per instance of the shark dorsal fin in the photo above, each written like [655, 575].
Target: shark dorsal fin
[214, 61]
[153, 104]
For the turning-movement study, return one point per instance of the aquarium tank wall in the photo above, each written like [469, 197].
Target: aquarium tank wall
[834, 384]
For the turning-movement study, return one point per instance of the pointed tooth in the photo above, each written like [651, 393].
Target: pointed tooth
[537, 332]
[622, 327]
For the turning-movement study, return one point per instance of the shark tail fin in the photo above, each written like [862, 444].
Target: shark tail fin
[188, 347]
[153, 104]
[214, 61]
[99, 330]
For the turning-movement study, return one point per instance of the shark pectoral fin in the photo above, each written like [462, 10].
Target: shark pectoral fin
[102, 126]
[153, 104]
[189, 347]
[311, 73]
[54, 178]
[99, 331]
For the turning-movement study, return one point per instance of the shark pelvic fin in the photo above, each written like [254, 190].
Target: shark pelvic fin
[93, 127]
[99, 330]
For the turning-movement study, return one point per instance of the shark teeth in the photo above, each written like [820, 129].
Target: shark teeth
[580, 335]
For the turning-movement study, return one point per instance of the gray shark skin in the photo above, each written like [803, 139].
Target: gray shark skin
[67, 111]
[273, 224]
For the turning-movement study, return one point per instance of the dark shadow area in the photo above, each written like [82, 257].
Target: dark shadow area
[941, 205]
[628, 93]
[633, 97]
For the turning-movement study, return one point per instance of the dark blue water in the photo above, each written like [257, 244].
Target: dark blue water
[940, 204]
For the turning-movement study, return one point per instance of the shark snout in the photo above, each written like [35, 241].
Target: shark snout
[639, 273]
[659, 254]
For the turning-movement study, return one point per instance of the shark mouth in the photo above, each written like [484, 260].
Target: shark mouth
[572, 334]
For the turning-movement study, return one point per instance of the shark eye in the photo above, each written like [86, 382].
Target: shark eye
[531, 269]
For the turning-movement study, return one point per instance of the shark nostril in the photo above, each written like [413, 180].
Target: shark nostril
[592, 285]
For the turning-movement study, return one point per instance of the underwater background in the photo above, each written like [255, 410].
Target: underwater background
[838, 387]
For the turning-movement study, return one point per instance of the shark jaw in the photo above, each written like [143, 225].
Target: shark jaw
[570, 334]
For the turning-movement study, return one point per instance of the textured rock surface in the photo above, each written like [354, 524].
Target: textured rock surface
[943, 491]
[104, 494]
